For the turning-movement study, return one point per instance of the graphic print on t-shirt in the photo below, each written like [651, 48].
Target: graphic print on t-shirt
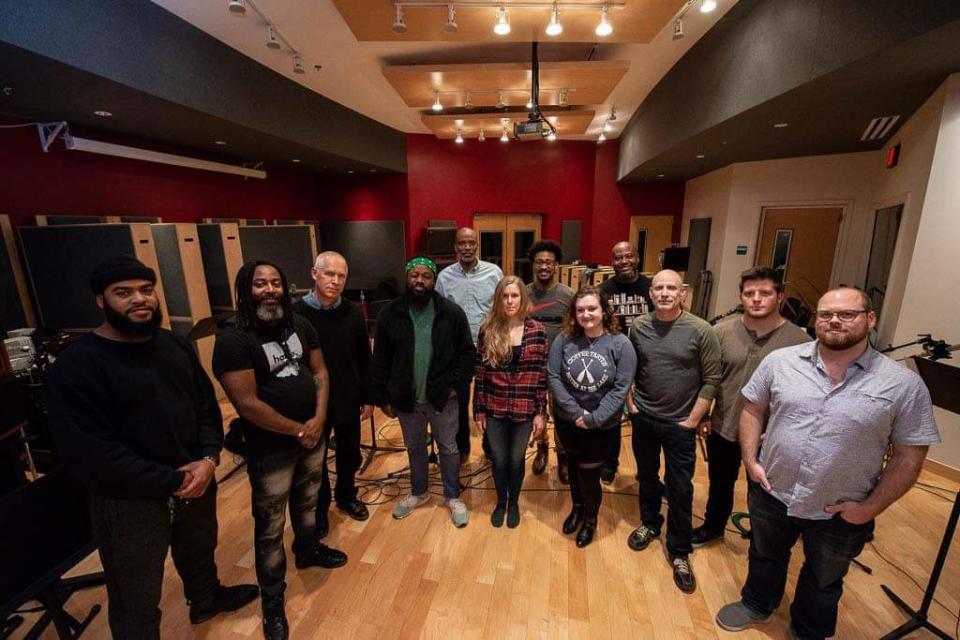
[627, 306]
[587, 371]
[284, 364]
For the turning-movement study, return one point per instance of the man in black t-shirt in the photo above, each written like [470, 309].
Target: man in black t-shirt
[135, 418]
[272, 369]
[629, 293]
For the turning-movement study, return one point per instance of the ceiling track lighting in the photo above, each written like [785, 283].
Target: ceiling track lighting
[459, 138]
[505, 137]
[502, 27]
[554, 28]
[601, 138]
[450, 26]
[237, 7]
[399, 26]
[482, 137]
[678, 29]
[272, 41]
[437, 106]
[500, 102]
[298, 65]
[562, 98]
[604, 28]
[468, 103]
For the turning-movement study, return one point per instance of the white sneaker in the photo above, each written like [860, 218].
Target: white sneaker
[458, 512]
[406, 506]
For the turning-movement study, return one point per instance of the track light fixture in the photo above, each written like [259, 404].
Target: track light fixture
[436, 102]
[272, 41]
[678, 29]
[554, 28]
[505, 137]
[482, 137]
[450, 26]
[237, 6]
[706, 6]
[502, 27]
[552, 136]
[459, 138]
[562, 99]
[529, 104]
[398, 24]
[500, 103]
[604, 28]
[298, 65]
[601, 138]
[468, 102]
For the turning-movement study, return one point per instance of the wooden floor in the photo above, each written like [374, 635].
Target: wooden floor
[421, 577]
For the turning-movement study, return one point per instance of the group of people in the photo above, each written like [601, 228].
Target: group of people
[137, 419]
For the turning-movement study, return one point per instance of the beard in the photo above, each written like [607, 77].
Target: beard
[269, 313]
[839, 342]
[419, 295]
[122, 322]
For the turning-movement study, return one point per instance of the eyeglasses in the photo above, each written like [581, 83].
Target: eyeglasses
[544, 263]
[847, 315]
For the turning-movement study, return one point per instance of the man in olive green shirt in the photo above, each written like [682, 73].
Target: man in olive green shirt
[745, 340]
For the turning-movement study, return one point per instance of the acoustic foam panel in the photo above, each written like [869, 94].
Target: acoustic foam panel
[216, 264]
[292, 248]
[60, 259]
[375, 251]
[69, 219]
[570, 240]
[171, 268]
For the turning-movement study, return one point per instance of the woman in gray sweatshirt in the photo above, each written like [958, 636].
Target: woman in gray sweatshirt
[590, 370]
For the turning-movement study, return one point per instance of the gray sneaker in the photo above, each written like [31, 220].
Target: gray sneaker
[458, 512]
[406, 506]
[737, 616]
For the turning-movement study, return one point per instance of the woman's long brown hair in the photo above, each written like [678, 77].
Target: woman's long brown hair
[496, 329]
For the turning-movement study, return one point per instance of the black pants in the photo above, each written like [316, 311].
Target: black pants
[290, 476]
[347, 461]
[723, 469]
[508, 446]
[612, 462]
[828, 548]
[679, 445]
[133, 537]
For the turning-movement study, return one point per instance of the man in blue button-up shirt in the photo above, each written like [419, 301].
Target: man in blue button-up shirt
[470, 283]
[835, 406]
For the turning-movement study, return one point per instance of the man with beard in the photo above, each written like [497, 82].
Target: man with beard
[745, 340]
[629, 293]
[469, 282]
[549, 302]
[342, 333]
[421, 355]
[833, 408]
[678, 368]
[136, 419]
[271, 366]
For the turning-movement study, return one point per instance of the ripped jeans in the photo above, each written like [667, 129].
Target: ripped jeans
[285, 477]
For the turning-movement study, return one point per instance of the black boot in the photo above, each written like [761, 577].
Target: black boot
[574, 520]
[585, 536]
[540, 460]
[274, 618]
[320, 556]
[226, 599]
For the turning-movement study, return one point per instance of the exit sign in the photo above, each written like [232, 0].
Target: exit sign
[741, 249]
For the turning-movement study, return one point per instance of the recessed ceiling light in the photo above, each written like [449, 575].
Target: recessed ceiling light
[102, 114]
[659, 175]
[349, 170]
[780, 125]
[700, 156]
[220, 142]
[296, 160]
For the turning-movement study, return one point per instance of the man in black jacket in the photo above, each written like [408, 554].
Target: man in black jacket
[422, 353]
[135, 418]
[342, 333]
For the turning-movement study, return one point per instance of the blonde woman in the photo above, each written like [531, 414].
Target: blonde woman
[510, 391]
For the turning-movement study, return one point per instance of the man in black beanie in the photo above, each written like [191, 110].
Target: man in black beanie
[136, 419]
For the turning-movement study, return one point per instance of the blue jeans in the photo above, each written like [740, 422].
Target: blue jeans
[290, 476]
[828, 548]
[680, 453]
[508, 445]
[443, 426]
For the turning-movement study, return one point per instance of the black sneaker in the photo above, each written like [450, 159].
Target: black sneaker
[321, 556]
[274, 618]
[226, 599]
[355, 509]
[608, 476]
[683, 574]
[641, 537]
[702, 536]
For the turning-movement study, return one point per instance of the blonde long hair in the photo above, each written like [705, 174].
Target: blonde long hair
[497, 349]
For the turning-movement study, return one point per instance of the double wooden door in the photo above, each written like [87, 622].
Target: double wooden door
[505, 240]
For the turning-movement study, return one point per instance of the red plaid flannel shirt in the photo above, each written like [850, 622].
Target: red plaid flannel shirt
[514, 391]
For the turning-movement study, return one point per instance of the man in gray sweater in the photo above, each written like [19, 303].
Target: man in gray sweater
[678, 370]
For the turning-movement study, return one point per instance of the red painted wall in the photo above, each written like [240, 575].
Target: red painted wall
[613, 203]
[75, 182]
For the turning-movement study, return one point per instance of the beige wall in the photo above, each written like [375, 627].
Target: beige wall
[709, 197]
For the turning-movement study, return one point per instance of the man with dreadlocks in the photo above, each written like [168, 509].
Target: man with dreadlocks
[271, 366]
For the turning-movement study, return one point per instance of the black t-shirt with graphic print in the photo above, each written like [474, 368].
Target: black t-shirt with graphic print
[280, 360]
[629, 299]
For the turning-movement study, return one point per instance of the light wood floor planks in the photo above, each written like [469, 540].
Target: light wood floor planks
[422, 578]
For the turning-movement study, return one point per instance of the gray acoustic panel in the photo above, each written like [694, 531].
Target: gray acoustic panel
[375, 251]
[570, 240]
[219, 284]
[144, 219]
[12, 315]
[60, 220]
[289, 247]
[698, 239]
[171, 269]
[59, 262]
